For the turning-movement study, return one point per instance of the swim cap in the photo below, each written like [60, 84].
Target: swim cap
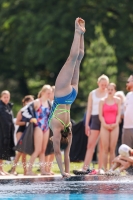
[124, 150]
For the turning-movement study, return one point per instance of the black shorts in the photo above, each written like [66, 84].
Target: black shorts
[21, 129]
[95, 123]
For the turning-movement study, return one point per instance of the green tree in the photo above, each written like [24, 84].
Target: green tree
[36, 36]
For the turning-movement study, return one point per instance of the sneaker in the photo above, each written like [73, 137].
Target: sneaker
[101, 172]
[80, 172]
[117, 172]
[93, 172]
[109, 172]
[113, 172]
[89, 170]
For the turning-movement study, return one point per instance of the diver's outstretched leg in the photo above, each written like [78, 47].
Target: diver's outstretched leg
[75, 78]
[63, 82]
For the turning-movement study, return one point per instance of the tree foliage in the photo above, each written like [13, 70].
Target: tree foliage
[36, 36]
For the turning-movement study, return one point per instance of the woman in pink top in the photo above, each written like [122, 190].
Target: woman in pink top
[109, 114]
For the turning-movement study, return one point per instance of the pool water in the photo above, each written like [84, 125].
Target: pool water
[75, 188]
[69, 197]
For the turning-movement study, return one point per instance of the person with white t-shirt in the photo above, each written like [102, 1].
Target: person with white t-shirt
[92, 126]
[127, 137]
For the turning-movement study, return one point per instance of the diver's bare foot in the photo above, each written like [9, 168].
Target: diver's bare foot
[80, 25]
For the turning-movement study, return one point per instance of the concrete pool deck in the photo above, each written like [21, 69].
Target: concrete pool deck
[94, 178]
[44, 185]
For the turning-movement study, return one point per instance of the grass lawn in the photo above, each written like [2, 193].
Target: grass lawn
[55, 169]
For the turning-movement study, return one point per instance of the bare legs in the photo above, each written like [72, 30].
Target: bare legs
[56, 144]
[92, 140]
[2, 172]
[48, 163]
[17, 157]
[68, 77]
[42, 154]
[57, 151]
[70, 71]
[40, 143]
[118, 162]
[113, 141]
[100, 155]
[109, 140]
[75, 78]
[105, 139]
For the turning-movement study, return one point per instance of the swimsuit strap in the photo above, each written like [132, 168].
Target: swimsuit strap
[40, 102]
[62, 111]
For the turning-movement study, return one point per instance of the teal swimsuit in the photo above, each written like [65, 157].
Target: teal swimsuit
[68, 99]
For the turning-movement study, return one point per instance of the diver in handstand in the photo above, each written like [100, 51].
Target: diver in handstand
[66, 88]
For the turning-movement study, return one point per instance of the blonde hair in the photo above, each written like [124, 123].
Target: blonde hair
[112, 84]
[44, 88]
[103, 77]
[121, 94]
[5, 92]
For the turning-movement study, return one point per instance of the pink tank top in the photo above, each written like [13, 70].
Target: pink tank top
[110, 113]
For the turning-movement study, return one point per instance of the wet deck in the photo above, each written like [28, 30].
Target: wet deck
[94, 178]
[87, 184]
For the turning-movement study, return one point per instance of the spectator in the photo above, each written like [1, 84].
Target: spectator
[41, 130]
[127, 137]
[22, 125]
[92, 123]
[123, 162]
[6, 130]
[49, 154]
[122, 97]
[15, 131]
[109, 114]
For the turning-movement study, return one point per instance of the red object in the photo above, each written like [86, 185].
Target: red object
[93, 172]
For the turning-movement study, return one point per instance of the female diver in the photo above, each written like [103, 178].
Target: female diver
[66, 88]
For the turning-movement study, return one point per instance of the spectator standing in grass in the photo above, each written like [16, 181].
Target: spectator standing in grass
[41, 128]
[22, 125]
[92, 125]
[49, 154]
[109, 114]
[127, 137]
[6, 130]
[122, 97]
